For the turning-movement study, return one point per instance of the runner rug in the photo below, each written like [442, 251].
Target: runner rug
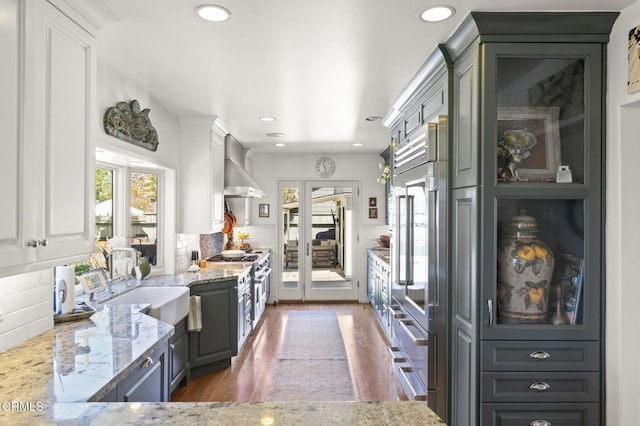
[312, 364]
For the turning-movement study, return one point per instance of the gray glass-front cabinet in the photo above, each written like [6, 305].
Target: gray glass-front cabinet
[527, 175]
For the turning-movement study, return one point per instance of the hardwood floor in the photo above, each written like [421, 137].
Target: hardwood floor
[249, 377]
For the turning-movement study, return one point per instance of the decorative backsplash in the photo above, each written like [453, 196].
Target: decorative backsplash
[210, 244]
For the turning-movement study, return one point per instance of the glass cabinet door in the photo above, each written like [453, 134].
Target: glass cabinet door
[545, 184]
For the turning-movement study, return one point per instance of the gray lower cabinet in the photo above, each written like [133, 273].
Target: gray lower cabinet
[147, 382]
[178, 355]
[378, 290]
[557, 414]
[213, 347]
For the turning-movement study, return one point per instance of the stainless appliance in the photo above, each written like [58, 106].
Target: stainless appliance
[418, 262]
[237, 182]
[261, 285]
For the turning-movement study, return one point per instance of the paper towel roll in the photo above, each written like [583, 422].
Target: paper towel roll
[65, 289]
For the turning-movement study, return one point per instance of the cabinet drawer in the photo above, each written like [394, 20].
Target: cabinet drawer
[540, 387]
[540, 356]
[540, 415]
[411, 122]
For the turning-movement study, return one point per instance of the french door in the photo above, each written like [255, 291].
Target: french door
[318, 231]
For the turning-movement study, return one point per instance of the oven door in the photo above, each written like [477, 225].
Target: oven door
[260, 293]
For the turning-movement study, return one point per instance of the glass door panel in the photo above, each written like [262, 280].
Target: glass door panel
[540, 119]
[329, 242]
[540, 270]
[292, 237]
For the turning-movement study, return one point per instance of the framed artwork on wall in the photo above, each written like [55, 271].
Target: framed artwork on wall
[633, 60]
[263, 210]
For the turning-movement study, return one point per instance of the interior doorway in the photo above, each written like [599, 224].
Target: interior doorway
[318, 230]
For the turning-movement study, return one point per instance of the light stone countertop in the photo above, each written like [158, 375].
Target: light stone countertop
[83, 360]
[403, 413]
[38, 379]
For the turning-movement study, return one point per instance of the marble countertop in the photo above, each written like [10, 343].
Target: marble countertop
[83, 360]
[226, 413]
[383, 253]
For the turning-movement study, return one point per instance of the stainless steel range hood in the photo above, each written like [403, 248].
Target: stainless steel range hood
[237, 182]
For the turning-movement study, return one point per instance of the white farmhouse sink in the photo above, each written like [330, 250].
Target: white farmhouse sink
[168, 304]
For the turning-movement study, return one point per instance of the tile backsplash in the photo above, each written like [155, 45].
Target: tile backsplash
[26, 307]
[211, 244]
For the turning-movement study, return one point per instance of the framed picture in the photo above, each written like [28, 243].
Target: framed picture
[373, 202]
[93, 280]
[567, 283]
[633, 60]
[263, 210]
[528, 143]
[373, 212]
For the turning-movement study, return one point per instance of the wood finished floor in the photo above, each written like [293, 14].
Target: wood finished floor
[249, 377]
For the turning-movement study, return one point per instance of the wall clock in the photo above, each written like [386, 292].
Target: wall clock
[325, 166]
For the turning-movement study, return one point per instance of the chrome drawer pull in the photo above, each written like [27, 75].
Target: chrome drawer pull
[540, 423]
[147, 363]
[539, 386]
[539, 355]
[417, 340]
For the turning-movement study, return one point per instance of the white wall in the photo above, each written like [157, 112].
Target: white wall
[269, 169]
[623, 231]
[113, 88]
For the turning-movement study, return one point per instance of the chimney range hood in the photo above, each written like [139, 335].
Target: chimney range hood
[237, 182]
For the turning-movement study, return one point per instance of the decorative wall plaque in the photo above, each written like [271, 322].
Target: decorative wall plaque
[125, 121]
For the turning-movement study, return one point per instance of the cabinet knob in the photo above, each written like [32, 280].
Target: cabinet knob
[539, 386]
[539, 355]
[43, 242]
[148, 362]
[172, 347]
[540, 423]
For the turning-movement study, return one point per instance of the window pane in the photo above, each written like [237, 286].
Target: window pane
[104, 203]
[144, 215]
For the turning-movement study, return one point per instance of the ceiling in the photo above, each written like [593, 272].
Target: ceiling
[319, 67]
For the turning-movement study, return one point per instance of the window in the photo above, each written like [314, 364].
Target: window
[139, 193]
[104, 203]
[143, 190]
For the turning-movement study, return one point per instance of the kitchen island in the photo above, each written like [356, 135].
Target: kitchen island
[41, 384]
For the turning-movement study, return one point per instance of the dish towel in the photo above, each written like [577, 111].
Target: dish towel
[195, 314]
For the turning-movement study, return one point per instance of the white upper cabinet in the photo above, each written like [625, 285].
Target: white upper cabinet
[49, 130]
[201, 175]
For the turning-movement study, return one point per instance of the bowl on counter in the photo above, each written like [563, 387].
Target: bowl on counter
[384, 242]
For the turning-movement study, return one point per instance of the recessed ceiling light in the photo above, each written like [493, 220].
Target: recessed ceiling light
[275, 135]
[437, 14]
[356, 144]
[280, 145]
[373, 118]
[213, 13]
[267, 118]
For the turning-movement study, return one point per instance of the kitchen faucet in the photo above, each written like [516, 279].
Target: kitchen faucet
[121, 266]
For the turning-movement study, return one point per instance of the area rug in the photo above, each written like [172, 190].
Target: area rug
[312, 364]
[318, 275]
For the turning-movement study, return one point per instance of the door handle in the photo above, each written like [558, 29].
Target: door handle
[409, 240]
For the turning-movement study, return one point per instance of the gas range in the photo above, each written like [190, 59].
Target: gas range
[250, 256]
